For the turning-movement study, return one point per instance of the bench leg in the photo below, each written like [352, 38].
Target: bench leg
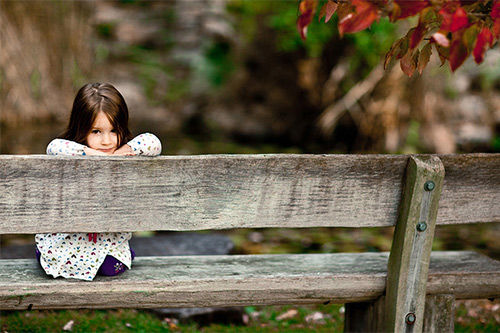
[439, 313]
[364, 316]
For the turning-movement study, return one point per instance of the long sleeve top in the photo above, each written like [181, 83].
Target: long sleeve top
[145, 144]
[72, 255]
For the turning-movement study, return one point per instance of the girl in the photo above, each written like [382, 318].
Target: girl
[98, 125]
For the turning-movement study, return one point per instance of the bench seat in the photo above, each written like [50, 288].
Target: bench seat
[237, 280]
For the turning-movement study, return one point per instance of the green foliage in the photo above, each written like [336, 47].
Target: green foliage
[371, 44]
[36, 83]
[101, 54]
[412, 145]
[106, 30]
[288, 40]
[496, 144]
[218, 64]
[489, 72]
[84, 321]
[476, 317]
[470, 316]
[280, 17]
[266, 320]
[78, 78]
[135, 2]
[365, 49]
[151, 68]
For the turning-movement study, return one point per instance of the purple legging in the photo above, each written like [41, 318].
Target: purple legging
[111, 266]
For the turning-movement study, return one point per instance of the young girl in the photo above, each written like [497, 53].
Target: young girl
[98, 125]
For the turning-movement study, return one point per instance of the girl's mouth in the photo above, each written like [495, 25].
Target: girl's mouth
[109, 150]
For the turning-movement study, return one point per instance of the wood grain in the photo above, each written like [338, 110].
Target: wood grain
[200, 281]
[101, 194]
[439, 314]
[365, 316]
[411, 248]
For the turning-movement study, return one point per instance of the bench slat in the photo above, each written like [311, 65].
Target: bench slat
[40, 193]
[200, 281]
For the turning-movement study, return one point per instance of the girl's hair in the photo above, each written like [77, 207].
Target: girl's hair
[91, 99]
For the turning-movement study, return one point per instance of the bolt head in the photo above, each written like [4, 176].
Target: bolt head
[410, 318]
[421, 226]
[429, 185]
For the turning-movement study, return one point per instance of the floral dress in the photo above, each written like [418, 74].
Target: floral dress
[72, 255]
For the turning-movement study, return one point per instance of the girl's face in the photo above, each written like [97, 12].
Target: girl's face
[102, 135]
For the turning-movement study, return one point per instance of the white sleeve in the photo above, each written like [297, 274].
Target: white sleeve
[145, 144]
[65, 148]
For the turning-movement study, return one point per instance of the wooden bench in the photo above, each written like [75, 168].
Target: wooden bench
[41, 194]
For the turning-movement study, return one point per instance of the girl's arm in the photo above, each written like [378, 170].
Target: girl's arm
[64, 147]
[145, 144]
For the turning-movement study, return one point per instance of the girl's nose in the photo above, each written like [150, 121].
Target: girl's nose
[106, 139]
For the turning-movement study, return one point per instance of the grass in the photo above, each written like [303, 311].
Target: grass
[254, 319]
[470, 316]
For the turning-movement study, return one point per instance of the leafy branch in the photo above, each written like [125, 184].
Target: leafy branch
[456, 29]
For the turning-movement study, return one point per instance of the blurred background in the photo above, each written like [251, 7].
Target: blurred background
[233, 76]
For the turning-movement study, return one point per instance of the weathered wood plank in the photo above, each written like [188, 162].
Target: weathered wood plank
[412, 245]
[39, 193]
[439, 314]
[472, 183]
[365, 316]
[200, 281]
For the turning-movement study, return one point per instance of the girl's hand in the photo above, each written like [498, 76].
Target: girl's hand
[93, 152]
[124, 150]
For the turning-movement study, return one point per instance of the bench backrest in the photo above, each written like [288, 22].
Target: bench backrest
[63, 194]
[41, 193]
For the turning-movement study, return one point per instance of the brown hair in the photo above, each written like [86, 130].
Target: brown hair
[91, 99]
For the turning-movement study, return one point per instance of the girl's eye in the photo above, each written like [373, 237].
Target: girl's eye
[95, 131]
[113, 131]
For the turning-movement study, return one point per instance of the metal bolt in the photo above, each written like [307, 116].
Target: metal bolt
[410, 318]
[421, 226]
[429, 185]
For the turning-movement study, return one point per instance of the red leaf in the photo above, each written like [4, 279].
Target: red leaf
[496, 28]
[366, 13]
[460, 20]
[395, 47]
[409, 62]
[427, 16]
[458, 52]
[395, 12]
[495, 15]
[483, 39]
[454, 18]
[495, 11]
[307, 9]
[328, 10]
[470, 36]
[344, 9]
[417, 35]
[424, 57]
[410, 8]
[443, 52]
